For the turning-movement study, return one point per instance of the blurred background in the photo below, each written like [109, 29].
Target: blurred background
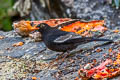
[16, 10]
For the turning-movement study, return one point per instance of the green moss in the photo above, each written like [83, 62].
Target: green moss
[5, 20]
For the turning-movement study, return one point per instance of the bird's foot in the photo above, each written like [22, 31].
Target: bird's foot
[59, 59]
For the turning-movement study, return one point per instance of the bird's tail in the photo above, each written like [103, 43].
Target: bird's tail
[96, 39]
[93, 39]
[88, 39]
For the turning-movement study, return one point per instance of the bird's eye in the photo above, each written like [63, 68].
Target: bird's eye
[40, 25]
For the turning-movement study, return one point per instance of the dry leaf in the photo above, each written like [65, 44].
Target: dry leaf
[18, 44]
[34, 78]
[116, 31]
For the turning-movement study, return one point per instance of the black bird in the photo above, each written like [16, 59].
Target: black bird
[62, 41]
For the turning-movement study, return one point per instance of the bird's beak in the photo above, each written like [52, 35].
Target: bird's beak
[34, 28]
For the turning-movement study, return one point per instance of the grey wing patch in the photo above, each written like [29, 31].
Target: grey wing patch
[67, 37]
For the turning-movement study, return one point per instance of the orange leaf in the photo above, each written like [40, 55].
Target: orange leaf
[82, 28]
[116, 31]
[18, 44]
[34, 78]
[99, 50]
[110, 50]
[76, 78]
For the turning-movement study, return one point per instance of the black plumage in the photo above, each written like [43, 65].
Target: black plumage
[62, 41]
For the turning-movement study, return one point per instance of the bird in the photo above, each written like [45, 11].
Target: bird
[62, 41]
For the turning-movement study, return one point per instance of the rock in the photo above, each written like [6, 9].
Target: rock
[7, 49]
[94, 10]
[33, 58]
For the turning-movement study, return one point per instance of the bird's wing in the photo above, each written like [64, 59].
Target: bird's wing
[76, 38]
[67, 37]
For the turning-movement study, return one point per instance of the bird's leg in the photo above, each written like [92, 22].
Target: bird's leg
[66, 54]
[59, 57]
[56, 60]
[62, 56]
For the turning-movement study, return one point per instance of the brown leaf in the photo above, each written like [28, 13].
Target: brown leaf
[17, 44]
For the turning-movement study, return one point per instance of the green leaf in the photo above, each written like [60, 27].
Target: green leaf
[7, 25]
[5, 20]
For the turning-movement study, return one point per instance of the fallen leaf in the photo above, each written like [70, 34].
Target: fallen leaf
[23, 28]
[34, 78]
[18, 44]
[110, 50]
[83, 28]
[76, 78]
[99, 28]
[99, 50]
[86, 74]
[116, 31]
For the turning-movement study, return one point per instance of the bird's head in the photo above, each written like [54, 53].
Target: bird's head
[42, 26]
